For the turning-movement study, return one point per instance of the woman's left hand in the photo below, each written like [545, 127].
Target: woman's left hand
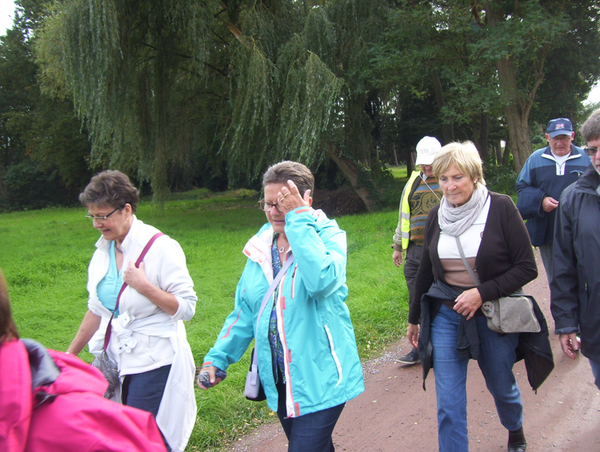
[468, 302]
[290, 199]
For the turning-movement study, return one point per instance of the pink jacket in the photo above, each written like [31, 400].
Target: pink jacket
[65, 411]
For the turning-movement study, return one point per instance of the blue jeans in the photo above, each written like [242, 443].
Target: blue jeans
[309, 432]
[596, 370]
[496, 359]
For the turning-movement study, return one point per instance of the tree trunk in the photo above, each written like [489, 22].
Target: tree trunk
[506, 154]
[353, 173]
[159, 165]
[484, 149]
[517, 105]
[497, 146]
[518, 135]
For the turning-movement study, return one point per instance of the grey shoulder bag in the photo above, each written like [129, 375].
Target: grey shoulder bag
[511, 314]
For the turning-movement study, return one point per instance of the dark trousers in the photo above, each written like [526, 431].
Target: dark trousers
[145, 390]
[411, 266]
[309, 432]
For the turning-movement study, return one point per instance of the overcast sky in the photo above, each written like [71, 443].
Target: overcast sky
[7, 10]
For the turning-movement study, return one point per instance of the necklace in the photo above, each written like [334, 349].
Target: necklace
[118, 249]
[281, 248]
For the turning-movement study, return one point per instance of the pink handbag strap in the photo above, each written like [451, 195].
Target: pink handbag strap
[137, 265]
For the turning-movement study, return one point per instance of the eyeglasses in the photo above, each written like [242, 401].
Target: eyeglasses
[591, 151]
[266, 206]
[101, 217]
[561, 138]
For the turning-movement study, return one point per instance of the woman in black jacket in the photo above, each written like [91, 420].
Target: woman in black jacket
[447, 303]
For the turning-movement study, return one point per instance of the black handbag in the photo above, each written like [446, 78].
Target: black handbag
[254, 390]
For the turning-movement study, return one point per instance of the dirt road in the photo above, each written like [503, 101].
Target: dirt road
[395, 414]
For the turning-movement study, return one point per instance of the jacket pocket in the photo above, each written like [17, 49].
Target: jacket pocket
[338, 365]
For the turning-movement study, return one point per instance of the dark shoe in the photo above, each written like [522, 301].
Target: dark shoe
[411, 357]
[516, 441]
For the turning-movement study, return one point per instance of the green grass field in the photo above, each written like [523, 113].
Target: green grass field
[45, 255]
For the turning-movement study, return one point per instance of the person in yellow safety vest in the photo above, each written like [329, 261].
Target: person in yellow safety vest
[420, 194]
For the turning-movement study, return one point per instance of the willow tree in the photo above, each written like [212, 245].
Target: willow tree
[242, 83]
[131, 68]
[301, 92]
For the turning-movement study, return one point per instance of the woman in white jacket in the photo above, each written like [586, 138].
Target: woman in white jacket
[147, 340]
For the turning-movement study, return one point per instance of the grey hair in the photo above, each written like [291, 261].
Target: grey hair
[590, 130]
[298, 173]
[110, 188]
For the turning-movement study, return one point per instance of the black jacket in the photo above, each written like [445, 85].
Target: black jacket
[575, 286]
[505, 262]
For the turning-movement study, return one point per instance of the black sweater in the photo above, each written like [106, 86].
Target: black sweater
[504, 262]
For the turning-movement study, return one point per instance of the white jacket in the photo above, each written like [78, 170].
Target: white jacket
[144, 337]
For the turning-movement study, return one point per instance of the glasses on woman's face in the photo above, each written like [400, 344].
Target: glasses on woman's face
[266, 206]
[591, 151]
[100, 217]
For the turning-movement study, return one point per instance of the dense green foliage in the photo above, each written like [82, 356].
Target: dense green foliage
[207, 94]
[45, 262]
[43, 149]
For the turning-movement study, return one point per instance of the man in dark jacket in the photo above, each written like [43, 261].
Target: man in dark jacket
[546, 173]
[575, 286]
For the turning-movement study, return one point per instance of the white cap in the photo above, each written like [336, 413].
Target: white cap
[426, 150]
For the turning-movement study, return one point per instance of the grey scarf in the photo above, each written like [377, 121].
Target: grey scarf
[456, 220]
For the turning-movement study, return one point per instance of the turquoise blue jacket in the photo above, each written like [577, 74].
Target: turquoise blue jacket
[322, 366]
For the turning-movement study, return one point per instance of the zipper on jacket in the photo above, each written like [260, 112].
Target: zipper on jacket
[293, 290]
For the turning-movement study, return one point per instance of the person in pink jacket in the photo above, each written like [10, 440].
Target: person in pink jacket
[52, 401]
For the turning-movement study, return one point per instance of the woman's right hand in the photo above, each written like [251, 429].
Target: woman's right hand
[412, 333]
[207, 377]
[89, 325]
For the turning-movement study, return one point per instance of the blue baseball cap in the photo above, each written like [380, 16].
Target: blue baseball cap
[559, 126]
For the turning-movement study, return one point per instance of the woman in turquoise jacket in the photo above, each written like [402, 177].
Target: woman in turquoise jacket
[307, 357]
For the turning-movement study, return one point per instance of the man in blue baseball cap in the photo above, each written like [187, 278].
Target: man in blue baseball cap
[546, 173]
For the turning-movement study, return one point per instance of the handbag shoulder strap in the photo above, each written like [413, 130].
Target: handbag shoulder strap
[137, 265]
[267, 296]
[473, 275]
[464, 259]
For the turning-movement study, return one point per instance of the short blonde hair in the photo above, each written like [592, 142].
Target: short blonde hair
[464, 156]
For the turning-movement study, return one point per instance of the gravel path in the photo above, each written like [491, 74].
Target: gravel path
[395, 414]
